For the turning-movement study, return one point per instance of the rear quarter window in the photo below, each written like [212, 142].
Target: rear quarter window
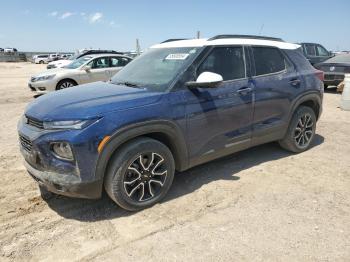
[268, 60]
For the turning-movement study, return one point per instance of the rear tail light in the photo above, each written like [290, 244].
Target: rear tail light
[320, 74]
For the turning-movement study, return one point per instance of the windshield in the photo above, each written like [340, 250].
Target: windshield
[156, 68]
[79, 62]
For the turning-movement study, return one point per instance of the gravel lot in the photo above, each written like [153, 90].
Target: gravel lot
[260, 204]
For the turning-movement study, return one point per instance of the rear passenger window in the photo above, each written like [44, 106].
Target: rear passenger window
[225, 61]
[119, 61]
[268, 60]
[310, 50]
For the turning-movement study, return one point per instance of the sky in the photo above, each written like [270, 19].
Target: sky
[68, 25]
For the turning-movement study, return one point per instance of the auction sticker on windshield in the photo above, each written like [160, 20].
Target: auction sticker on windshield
[178, 56]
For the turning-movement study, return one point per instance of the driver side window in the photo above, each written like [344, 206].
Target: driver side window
[225, 61]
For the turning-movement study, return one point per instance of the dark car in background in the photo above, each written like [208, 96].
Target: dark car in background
[335, 69]
[315, 53]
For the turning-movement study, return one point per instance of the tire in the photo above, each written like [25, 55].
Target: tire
[65, 83]
[45, 194]
[301, 130]
[325, 86]
[41, 62]
[135, 185]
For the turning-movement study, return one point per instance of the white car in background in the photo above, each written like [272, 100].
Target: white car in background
[86, 69]
[60, 63]
[41, 59]
[10, 50]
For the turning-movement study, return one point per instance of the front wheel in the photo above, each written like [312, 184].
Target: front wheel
[301, 130]
[65, 84]
[140, 174]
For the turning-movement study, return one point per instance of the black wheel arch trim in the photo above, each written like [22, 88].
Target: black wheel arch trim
[127, 133]
[314, 96]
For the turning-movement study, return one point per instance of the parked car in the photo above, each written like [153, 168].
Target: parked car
[10, 50]
[178, 105]
[87, 69]
[1, 49]
[335, 69]
[41, 59]
[315, 53]
[63, 62]
[53, 57]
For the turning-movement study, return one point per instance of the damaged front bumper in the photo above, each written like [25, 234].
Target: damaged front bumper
[65, 184]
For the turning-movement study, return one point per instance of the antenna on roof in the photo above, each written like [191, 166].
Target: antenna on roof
[138, 49]
[261, 28]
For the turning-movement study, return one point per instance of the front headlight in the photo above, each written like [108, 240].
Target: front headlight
[43, 78]
[70, 124]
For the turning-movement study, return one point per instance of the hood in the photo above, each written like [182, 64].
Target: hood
[88, 101]
[50, 72]
[60, 62]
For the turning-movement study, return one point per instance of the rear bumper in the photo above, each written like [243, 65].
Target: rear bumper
[333, 79]
[65, 184]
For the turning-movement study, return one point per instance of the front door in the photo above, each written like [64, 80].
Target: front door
[219, 119]
[99, 71]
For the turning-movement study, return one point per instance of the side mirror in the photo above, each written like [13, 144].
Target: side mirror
[86, 68]
[206, 80]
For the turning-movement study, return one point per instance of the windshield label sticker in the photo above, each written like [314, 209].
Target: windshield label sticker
[177, 56]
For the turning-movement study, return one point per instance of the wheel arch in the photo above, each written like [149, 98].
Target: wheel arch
[65, 79]
[312, 100]
[163, 130]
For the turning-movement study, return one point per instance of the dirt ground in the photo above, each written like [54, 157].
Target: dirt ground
[257, 205]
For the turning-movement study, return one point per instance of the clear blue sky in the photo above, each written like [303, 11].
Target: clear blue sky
[67, 25]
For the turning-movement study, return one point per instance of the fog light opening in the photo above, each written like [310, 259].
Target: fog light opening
[62, 150]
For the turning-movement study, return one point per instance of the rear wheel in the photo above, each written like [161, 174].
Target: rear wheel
[66, 83]
[301, 130]
[140, 174]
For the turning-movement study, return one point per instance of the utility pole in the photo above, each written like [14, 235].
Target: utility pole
[138, 49]
[198, 34]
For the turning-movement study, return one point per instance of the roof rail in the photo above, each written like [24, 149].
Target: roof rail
[246, 37]
[173, 39]
[94, 52]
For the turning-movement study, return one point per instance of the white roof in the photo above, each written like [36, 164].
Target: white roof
[226, 41]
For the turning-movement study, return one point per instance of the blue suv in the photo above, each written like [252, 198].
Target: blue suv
[180, 104]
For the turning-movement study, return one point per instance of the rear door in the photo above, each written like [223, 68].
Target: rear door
[276, 83]
[117, 63]
[311, 54]
[219, 119]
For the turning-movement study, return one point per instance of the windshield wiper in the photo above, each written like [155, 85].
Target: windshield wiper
[127, 84]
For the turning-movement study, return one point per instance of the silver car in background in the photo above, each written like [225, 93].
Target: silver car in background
[87, 69]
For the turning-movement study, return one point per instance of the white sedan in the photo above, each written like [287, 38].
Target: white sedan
[87, 69]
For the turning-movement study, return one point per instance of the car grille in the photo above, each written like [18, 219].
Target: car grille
[34, 122]
[26, 143]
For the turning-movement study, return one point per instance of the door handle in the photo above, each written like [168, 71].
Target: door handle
[244, 90]
[295, 82]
